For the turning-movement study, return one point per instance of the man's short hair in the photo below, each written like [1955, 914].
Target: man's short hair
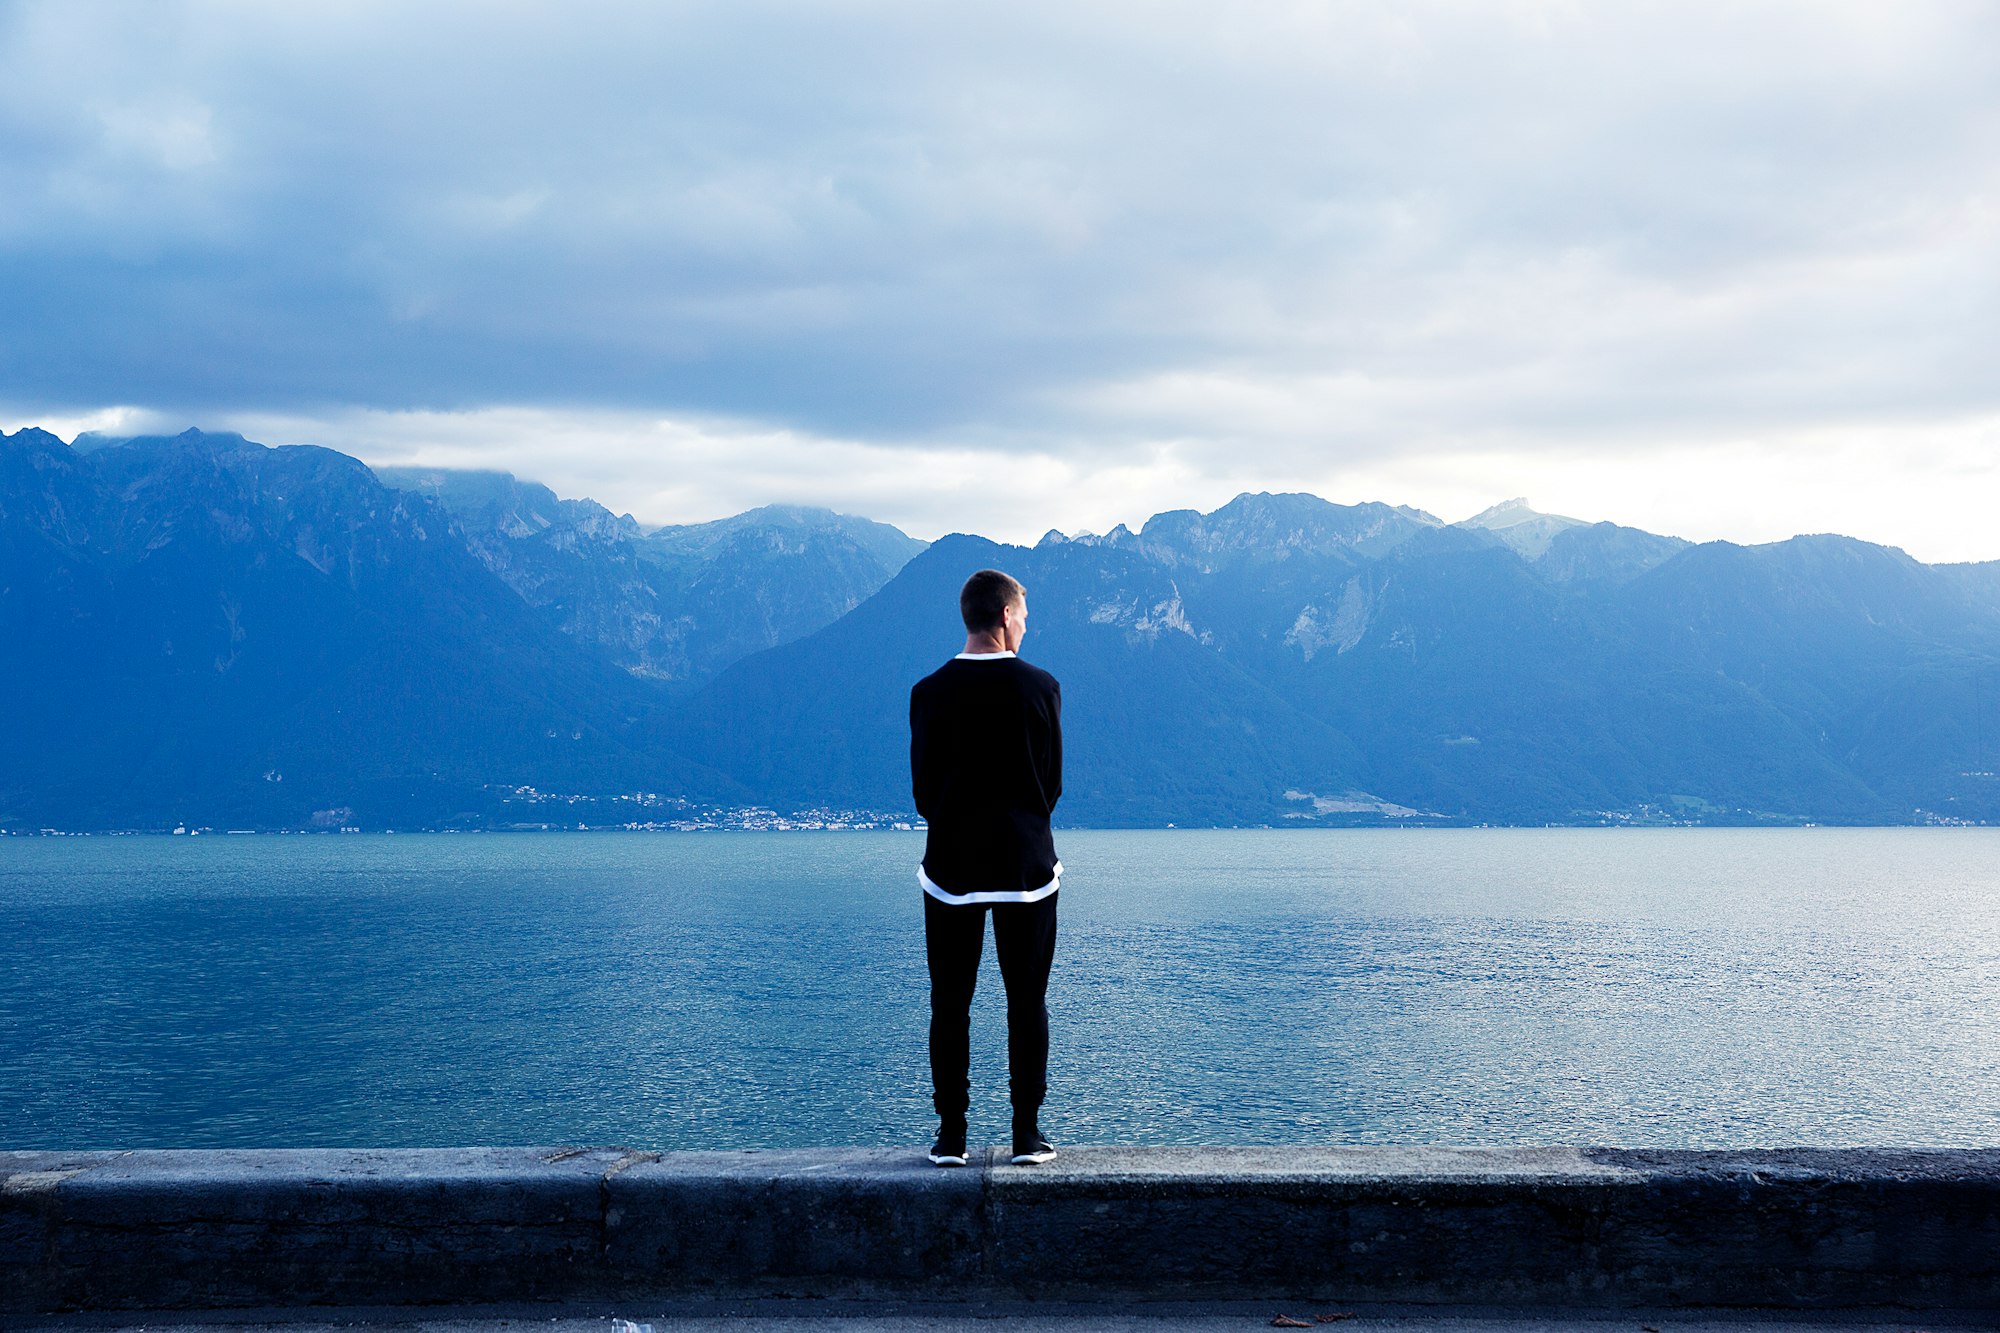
[985, 596]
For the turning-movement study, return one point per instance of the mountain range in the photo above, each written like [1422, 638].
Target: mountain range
[204, 631]
[673, 604]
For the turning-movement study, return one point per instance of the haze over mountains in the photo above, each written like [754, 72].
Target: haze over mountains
[203, 631]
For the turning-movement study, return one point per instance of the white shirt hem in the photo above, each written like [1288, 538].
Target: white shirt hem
[996, 896]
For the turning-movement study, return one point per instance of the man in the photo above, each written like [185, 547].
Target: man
[986, 766]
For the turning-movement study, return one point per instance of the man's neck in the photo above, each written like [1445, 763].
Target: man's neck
[985, 645]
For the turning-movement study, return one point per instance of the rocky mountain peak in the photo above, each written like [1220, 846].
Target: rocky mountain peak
[1264, 526]
[1521, 526]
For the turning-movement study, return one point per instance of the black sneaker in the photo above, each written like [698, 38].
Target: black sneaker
[949, 1150]
[1032, 1149]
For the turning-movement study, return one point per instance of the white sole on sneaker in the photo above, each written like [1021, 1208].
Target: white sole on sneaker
[945, 1159]
[1034, 1158]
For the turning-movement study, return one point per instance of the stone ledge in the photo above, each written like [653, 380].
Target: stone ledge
[1577, 1228]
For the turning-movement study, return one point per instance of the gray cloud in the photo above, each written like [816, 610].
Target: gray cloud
[1283, 242]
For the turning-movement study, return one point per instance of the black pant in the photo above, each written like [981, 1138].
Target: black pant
[1024, 935]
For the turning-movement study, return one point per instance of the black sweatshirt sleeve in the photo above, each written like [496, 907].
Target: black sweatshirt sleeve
[923, 772]
[1052, 770]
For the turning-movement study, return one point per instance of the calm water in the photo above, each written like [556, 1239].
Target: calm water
[1671, 987]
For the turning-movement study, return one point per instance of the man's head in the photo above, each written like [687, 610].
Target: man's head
[994, 605]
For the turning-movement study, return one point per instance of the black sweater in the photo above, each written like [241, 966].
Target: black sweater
[986, 768]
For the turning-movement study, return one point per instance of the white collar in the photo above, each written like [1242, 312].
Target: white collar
[982, 657]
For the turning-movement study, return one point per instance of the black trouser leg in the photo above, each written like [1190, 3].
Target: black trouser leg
[1024, 935]
[953, 939]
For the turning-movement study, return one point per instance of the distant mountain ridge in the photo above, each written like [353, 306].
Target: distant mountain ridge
[204, 629]
[674, 603]
[1614, 677]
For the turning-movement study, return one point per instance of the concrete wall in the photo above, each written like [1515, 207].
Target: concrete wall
[1597, 1228]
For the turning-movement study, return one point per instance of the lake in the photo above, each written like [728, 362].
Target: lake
[1670, 987]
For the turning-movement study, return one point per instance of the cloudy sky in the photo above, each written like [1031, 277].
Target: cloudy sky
[1718, 269]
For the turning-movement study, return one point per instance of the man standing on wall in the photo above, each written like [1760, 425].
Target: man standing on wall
[986, 766]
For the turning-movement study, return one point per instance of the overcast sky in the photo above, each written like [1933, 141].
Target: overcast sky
[1717, 269]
